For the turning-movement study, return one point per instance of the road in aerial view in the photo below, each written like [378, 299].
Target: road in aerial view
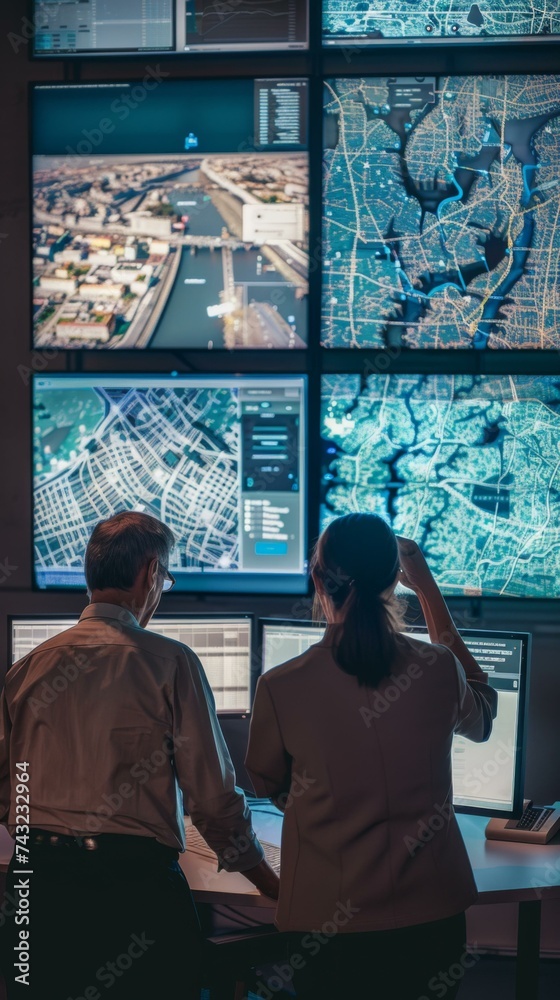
[171, 452]
[441, 220]
[174, 252]
[344, 19]
[468, 466]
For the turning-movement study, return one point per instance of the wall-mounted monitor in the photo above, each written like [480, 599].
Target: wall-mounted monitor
[352, 23]
[487, 777]
[171, 214]
[223, 643]
[468, 466]
[88, 28]
[220, 459]
[441, 225]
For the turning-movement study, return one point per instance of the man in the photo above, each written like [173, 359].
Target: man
[112, 723]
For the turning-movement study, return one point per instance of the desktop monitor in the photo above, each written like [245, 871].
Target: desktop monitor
[487, 777]
[220, 459]
[130, 27]
[171, 214]
[223, 644]
[464, 464]
[352, 24]
[440, 212]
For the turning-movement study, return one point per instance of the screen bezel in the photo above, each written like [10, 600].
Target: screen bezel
[209, 616]
[524, 638]
[301, 581]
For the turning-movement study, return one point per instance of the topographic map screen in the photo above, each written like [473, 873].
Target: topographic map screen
[442, 212]
[221, 460]
[468, 466]
[358, 23]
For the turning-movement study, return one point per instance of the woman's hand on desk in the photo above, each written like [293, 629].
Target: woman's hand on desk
[264, 878]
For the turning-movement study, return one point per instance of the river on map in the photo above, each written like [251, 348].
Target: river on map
[185, 322]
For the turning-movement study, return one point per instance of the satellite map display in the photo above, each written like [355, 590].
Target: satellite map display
[468, 466]
[210, 459]
[345, 20]
[441, 220]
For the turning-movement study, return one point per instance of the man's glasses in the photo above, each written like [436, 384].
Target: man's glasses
[169, 580]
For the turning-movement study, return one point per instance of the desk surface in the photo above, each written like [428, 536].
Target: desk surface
[503, 871]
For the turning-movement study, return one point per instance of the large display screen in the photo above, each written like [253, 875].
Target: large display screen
[468, 466]
[487, 777]
[220, 459]
[441, 226]
[352, 22]
[171, 214]
[97, 27]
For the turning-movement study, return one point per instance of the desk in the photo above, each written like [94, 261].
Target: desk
[504, 872]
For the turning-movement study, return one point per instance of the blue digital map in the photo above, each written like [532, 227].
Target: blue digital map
[468, 466]
[343, 19]
[442, 212]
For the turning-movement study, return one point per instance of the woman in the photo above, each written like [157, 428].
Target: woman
[353, 740]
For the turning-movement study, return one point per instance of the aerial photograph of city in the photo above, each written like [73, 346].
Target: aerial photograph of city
[187, 251]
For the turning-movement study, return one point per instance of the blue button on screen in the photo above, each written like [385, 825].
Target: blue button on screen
[271, 548]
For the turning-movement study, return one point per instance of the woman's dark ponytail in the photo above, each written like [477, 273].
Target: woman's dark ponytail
[356, 559]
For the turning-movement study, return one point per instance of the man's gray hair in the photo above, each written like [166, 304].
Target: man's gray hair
[120, 546]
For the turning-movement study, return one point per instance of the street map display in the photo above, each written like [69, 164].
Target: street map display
[366, 23]
[468, 466]
[219, 459]
[442, 212]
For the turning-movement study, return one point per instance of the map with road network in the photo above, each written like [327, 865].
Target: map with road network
[442, 212]
[468, 466]
[362, 22]
[173, 453]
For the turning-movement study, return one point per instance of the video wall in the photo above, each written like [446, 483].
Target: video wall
[277, 297]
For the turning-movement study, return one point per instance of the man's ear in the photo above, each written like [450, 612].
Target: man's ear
[152, 574]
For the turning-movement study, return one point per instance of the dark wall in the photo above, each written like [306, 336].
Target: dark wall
[17, 361]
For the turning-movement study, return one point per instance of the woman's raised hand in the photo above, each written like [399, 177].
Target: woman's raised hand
[414, 572]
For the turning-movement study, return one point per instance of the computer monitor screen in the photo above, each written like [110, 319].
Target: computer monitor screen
[222, 643]
[91, 27]
[465, 465]
[128, 27]
[171, 214]
[440, 218]
[220, 459]
[348, 23]
[487, 777]
[243, 26]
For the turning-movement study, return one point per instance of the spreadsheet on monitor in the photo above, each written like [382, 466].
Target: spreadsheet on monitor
[223, 645]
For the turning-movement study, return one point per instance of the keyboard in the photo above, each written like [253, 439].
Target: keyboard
[197, 844]
[534, 818]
